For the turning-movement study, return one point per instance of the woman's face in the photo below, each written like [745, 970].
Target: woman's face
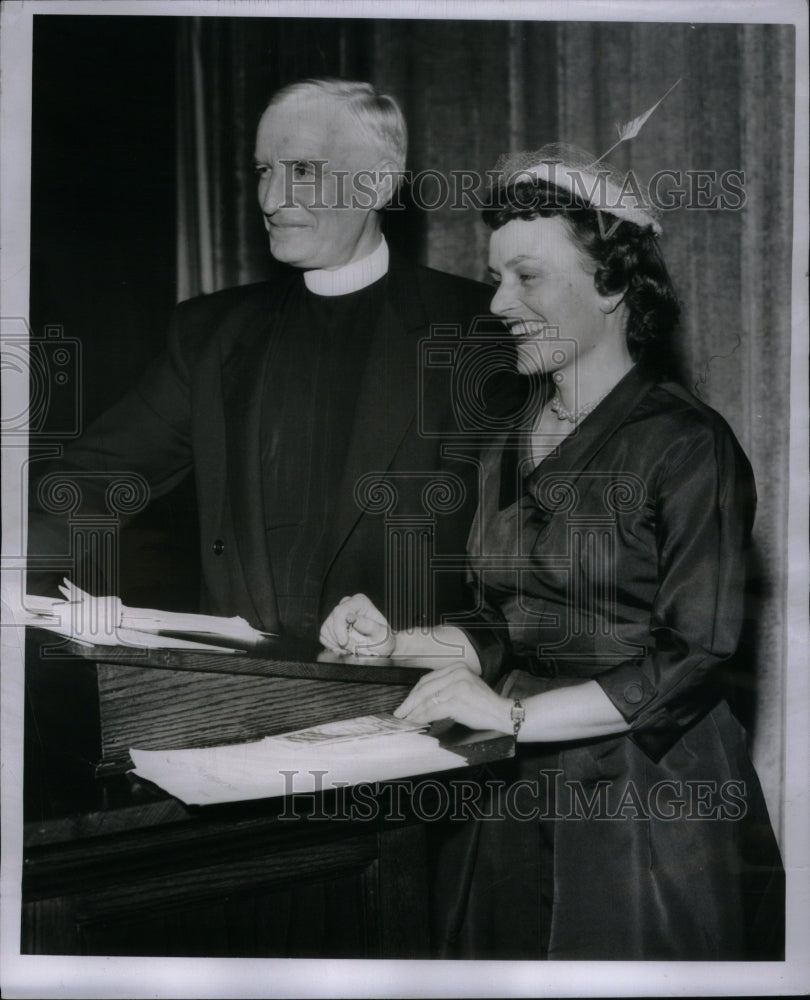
[545, 295]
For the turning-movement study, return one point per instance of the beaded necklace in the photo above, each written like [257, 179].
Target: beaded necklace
[574, 416]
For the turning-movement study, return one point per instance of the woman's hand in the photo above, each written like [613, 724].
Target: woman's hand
[356, 626]
[456, 693]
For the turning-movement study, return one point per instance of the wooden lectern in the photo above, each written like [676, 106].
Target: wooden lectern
[115, 866]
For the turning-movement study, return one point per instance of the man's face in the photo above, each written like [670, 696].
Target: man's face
[306, 203]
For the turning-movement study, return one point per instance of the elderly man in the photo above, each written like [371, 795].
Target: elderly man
[284, 397]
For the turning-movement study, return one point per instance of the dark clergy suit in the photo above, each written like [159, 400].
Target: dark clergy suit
[199, 408]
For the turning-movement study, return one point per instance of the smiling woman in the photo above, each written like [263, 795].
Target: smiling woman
[584, 299]
[608, 557]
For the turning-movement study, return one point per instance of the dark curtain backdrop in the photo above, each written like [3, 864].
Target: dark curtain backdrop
[472, 90]
[103, 247]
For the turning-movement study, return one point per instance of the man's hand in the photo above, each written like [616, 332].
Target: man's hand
[356, 626]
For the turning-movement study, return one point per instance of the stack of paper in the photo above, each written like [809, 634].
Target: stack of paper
[370, 748]
[105, 621]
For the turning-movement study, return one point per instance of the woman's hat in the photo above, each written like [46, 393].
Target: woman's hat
[590, 181]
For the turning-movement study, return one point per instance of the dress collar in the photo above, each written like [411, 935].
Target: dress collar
[351, 277]
[574, 453]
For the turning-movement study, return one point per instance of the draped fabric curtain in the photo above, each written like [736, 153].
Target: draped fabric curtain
[733, 110]
[472, 90]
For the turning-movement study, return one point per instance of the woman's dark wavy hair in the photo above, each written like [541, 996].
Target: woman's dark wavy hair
[628, 260]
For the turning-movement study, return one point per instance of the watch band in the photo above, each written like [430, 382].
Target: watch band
[517, 715]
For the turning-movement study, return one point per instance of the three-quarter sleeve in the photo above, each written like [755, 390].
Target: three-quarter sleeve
[488, 631]
[704, 504]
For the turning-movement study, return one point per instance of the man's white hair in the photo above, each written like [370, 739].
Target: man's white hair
[378, 114]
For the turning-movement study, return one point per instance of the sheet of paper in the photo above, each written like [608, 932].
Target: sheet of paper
[331, 733]
[105, 621]
[153, 620]
[120, 636]
[287, 764]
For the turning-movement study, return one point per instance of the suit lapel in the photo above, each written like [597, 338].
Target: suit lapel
[214, 397]
[387, 404]
[244, 373]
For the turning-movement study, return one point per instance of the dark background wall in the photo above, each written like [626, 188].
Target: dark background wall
[103, 191]
[103, 241]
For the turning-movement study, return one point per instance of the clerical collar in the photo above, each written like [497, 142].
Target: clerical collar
[351, 277]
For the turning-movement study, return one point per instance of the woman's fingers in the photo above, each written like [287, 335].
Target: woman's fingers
[370, 627]
[370, 636]
[433, 688]
[335, 630]
[366, 609]
[356, 626]
[327, 638]
[453, 692]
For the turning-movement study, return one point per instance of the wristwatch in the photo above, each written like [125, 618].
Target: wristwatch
[517, 715]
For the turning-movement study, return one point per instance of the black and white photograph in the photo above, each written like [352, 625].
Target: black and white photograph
[405, 508]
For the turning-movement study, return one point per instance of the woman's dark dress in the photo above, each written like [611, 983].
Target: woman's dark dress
[631, 541]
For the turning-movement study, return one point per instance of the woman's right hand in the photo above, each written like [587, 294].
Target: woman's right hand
[356, 626]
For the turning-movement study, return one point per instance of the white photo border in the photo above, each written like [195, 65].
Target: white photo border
[55, 976]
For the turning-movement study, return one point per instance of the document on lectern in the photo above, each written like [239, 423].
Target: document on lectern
[366, 749]
[106, 621]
